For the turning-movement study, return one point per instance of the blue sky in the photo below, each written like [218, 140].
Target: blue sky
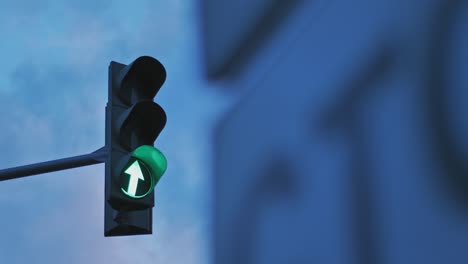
[53, 90]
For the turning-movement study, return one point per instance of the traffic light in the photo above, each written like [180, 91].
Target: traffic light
[134, 166]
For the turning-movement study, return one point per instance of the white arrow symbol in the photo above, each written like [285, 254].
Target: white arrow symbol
[135, 174]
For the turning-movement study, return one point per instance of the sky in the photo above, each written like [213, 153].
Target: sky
[53, 91]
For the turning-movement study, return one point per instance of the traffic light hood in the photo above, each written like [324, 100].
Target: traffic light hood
[141, 80]
[154, 160]
[141, 124]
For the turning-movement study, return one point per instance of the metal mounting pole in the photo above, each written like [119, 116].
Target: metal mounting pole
[96, 157]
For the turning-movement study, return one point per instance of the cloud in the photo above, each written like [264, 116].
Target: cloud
[21, 132]
[62, 220]
[55, 61]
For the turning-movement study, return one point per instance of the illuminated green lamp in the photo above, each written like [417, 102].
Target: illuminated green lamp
[143, 171]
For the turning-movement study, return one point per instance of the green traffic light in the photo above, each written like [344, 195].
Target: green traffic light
[143, 171]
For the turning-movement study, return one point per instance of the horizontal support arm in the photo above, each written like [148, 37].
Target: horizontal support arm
[99, 156]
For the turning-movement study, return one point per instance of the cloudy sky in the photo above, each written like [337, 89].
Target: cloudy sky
[53, 91]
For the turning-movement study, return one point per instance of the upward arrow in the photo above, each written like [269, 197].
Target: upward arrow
[135, 174]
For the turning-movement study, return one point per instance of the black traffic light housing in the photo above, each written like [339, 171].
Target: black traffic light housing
[132, 120]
